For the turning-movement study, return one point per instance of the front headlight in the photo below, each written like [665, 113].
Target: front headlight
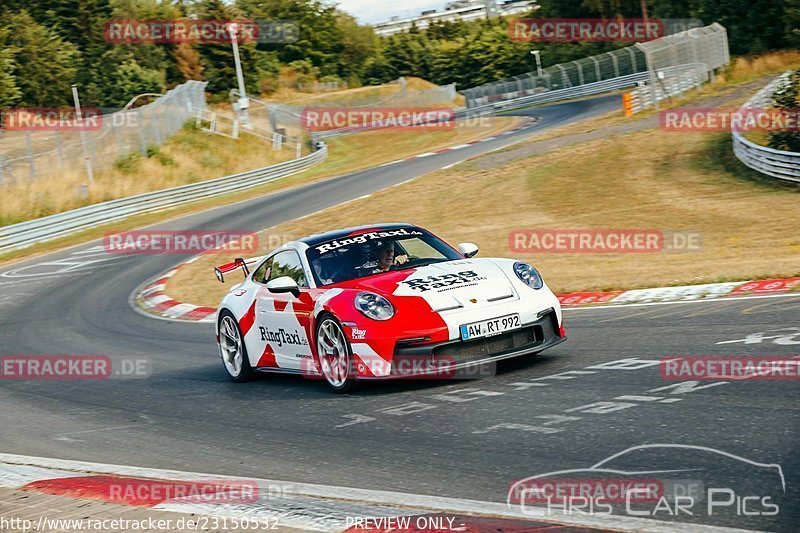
[528, 275]
[374, 306]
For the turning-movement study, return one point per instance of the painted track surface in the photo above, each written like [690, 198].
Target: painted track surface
[188, 416]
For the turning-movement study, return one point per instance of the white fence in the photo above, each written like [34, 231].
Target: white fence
[776, 163]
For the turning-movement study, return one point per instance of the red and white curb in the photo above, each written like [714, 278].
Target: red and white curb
[154, 298]
[305, 506]
[682, 293]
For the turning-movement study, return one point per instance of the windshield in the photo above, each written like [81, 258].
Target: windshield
[356, 256]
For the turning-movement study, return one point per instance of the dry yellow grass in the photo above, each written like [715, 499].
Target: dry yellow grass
[751, 67]
[187, 157]
[681, 183]
[291, 96]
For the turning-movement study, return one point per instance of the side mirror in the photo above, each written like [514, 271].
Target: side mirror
[283, 284]
[467, 249]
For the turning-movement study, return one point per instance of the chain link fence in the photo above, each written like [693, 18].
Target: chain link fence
[685, 58]
[677, 63]
[602, 67]
[30, 155]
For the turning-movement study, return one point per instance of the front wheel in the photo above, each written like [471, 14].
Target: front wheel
[335, 355]
[232, 348]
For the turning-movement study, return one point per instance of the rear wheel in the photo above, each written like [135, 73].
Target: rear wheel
[232, 348]
[335, 355]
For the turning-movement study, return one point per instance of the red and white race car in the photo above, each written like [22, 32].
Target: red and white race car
[386, 301]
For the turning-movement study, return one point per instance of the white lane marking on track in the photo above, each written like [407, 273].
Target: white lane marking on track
[62, 267]
[453, 164]
[63, 468]
[717, 300]
[66, 437]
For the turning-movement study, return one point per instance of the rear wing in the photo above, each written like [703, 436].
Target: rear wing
[239, 262]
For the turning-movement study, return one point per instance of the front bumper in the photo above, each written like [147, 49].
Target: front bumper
[445, 357]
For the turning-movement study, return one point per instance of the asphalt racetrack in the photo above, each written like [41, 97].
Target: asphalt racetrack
[572, 407]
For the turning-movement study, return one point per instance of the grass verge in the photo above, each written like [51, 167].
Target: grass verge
[646, 180]
[189, 156]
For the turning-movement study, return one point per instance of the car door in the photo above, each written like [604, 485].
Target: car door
[282, 319]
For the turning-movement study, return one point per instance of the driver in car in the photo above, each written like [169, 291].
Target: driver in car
[386, 257]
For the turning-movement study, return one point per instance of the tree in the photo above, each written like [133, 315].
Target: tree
[359, 43]
[9, 92]
[787, 99]
[80, 22]
[187, 62]
[46, 65]
[319, 40]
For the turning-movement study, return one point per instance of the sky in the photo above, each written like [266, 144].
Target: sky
[371, 11]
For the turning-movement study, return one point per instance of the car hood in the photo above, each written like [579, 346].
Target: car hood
[446, 286]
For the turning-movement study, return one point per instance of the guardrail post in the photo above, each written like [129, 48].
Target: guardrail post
[615, 63]
[564, 76]
[596, 68]
[580, 72]
[633, 59]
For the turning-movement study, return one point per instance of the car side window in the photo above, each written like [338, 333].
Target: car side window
[288, 263]
[261, 275]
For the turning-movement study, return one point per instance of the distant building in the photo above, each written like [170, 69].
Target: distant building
[456, 10]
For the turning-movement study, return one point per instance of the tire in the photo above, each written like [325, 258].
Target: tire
[335, 356]
[232, 348]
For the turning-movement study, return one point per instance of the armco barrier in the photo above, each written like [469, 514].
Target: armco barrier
[775, 163]
[47, 228]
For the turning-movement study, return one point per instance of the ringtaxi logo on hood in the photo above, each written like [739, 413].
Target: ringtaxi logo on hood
[443, 281]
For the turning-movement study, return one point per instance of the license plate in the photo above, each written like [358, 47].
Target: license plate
[487, 328]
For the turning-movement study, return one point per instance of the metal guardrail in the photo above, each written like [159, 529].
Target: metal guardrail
[47, 228]
[775, 163]
[674, 82]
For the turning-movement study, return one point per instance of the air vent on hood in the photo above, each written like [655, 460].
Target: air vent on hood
[501, 297]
